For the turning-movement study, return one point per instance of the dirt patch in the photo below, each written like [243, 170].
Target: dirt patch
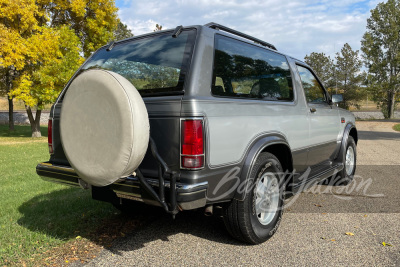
[83, 249]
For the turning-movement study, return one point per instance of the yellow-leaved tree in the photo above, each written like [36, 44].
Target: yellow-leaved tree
[18, 20]
[42, 43]
[93, 21]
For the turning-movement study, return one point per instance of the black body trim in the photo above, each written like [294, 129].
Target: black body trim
[251, 156]
[349, 126]
[216, 26]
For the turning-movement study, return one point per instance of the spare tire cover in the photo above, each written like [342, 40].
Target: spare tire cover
[104, 127]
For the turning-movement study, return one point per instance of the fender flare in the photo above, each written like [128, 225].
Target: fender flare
[252, 154]
[346, 133]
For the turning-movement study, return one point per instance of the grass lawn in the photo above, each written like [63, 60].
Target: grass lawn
[397, 127]
[36, 216]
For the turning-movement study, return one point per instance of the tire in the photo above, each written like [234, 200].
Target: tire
[104, 127]
[245, 220]
[345, 176]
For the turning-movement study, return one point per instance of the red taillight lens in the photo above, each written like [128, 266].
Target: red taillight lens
[50, 136]
[192, 150]
[192, 137]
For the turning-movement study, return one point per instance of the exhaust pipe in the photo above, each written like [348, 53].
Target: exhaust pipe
[208, 211]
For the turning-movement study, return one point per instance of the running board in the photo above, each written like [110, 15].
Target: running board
[306, 183]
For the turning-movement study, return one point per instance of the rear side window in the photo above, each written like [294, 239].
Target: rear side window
[155, 64]
[247, 71]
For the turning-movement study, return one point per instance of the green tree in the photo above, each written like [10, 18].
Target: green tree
[323, 66]
[381, 48]
[349, 77]
[158, 28]
[122, 31]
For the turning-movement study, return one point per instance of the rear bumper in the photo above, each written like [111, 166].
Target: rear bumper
[188, 196]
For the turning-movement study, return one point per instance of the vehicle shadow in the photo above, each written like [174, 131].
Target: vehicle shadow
[369, 135]
[60, 215]
[162, 227]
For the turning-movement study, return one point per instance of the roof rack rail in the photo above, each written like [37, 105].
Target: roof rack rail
[217, 26]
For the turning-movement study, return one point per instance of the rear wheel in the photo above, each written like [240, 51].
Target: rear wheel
[256, 218]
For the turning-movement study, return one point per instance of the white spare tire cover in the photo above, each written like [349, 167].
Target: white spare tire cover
[104, 127]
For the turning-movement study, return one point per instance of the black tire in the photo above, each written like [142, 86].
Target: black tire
[345, 177]
[241, 218]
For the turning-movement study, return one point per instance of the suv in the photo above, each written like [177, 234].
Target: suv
[196, 117]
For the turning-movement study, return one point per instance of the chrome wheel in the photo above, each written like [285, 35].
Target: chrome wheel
[350, 158]
[267, 198]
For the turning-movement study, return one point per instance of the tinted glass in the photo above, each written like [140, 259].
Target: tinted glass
[153, 64]
[312, 88]
[245, 70]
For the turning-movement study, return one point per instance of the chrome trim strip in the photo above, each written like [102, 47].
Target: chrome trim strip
[185, 194]
[56, 167]
[60, 174]
[154, 182]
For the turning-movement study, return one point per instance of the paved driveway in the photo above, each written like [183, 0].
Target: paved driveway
[313, 229]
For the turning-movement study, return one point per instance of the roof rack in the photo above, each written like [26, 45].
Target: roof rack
[217, 26]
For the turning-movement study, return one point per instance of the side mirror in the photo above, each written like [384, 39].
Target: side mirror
[337, 98]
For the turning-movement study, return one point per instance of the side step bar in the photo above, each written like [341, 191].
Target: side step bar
[306, 183]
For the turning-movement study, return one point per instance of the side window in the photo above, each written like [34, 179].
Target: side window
[247, 71]
[312, 88]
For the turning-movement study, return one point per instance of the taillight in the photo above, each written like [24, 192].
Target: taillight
[50, 136]
[192, 144]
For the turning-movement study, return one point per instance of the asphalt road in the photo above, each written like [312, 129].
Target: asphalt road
[313, 229]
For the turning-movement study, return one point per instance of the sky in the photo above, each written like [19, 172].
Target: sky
[296, 27]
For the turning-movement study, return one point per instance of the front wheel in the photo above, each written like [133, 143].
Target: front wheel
[345, 176]
[256, 219]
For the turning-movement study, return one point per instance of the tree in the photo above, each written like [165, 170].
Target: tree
[349, 76]
[93, 21]
[41, 43]
[41, 84]
[158, 28]
[323, 66]
[381, 48]
[122, 31]
[5, 87]
[17, 24]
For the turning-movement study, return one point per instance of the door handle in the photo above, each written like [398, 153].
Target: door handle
[313, 110]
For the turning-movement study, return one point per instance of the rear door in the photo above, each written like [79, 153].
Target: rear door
[324, 120]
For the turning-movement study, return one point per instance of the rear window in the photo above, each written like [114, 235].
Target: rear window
[155, 65]
[248, 71]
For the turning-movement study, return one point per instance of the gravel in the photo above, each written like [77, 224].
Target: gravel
[370, 115]
[21, 118]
